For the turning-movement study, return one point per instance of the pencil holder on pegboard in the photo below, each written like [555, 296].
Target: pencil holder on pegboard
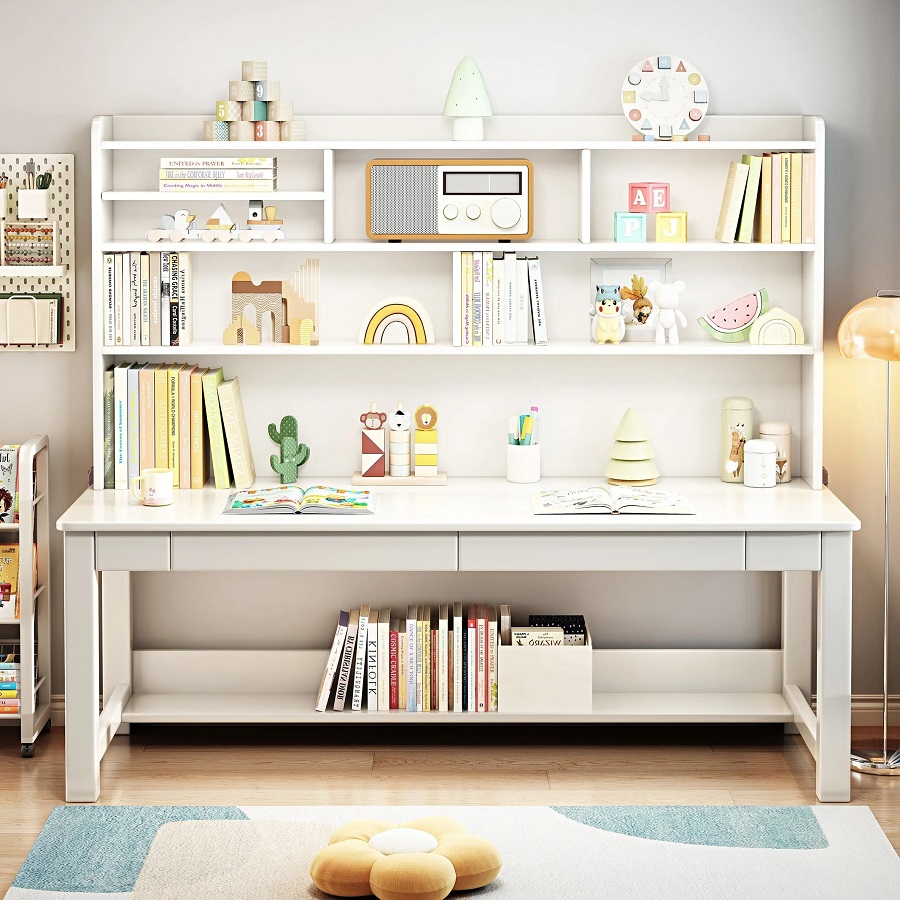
[37, 242]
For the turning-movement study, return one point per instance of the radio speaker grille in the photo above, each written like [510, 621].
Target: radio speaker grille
[404, 200]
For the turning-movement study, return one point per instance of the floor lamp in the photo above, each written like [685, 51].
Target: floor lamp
[871, 330]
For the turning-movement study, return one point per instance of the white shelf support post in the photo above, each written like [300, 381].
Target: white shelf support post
[328, 203]
[584, 198]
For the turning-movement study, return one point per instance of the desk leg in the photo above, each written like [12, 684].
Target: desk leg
[115, 597]
[81, 605]
[833, 669]
[796, 634]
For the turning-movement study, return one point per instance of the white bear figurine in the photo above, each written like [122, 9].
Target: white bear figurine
[665, 310]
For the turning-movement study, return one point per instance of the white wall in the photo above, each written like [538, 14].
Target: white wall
[830, 58]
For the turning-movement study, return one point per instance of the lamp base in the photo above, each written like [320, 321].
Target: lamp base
[872, 761]
[468, 128]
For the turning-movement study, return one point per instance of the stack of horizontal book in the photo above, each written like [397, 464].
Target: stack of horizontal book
[199, 175]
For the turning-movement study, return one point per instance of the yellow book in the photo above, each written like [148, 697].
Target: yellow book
[5, 693]
[785, 198]
[764, 203]
[160, 416]
[9, 582]
[796, 195]
[173, 423]
[808, 200]
[236, 434]
[199, 466]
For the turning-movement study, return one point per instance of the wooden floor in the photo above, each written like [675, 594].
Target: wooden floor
[506, 765]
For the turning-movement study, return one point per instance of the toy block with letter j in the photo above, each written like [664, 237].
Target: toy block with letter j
[671, 227]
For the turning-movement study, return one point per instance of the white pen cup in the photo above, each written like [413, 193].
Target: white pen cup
[523, 463]
[154, 487]
[33, 204]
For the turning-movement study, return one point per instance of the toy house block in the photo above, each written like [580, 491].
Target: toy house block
[671, 227]
[254, 70]
[240, 131]
[264, 299]
[240, 90]
[266, 90]
[228, 110]
[267, 131]
[281, 110]
[295, 130]
[254, 111]
[214, 130]
[630, 227]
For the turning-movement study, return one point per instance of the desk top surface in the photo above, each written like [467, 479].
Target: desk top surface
[473, 505]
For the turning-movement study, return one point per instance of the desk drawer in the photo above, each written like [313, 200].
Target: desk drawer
[318, 552]
[133, 552]
[580, 552]
[784, 551]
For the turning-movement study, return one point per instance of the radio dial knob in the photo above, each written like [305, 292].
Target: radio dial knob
[473, 211]
[450, 211]
[506, 212]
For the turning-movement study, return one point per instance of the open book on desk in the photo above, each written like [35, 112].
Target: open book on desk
[614, 499]
[293, 499]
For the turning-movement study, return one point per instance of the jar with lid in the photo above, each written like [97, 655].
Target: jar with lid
[780, 434]
[759, 464]
[737, 428]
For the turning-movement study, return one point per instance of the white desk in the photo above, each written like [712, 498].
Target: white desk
[473, 524]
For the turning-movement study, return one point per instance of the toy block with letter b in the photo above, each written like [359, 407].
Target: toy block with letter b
[630, 227]
[672, 227]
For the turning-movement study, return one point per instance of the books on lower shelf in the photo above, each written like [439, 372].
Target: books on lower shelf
[195, 175]
[11, 677]
[770, 199]
[174, 416]
[293, 499]
[147, 299]
[500, 299]
[614, 499]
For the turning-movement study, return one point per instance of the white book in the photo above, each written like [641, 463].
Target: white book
[334, 657]
[359, 668]
[120, 422]
[134, 424]
[109, 296]
[776, 198]
[492, 659]
[536, 293]
[458, 626]
[144, 275]
[487, 298]
[509, 298]
[340, 694]
[411, 655]
[372, 661]
[497, 301]
[470, 662]
[134, 299]
[123, 335]
[521, 300]
[420, 656]
[466, 294]
[477, 308]
[457, 298]
[185, 299]
[443, 662]
[165, 292]
[384, 660]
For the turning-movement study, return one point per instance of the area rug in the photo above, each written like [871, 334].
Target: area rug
[566, 852]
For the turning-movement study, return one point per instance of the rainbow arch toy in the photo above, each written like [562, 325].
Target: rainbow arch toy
[397, 320]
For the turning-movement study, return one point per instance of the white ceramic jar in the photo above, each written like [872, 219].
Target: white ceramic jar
[759, 464]
[780, 434]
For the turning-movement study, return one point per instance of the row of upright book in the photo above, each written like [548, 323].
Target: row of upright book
[148, 299]
[11, 678]
[198, 175]
[769, 199]
[174, 416]
[501, 299]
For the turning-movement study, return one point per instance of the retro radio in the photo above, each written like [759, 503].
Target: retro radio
[446, 199]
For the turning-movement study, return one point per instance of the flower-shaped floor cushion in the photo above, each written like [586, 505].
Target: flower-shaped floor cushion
[424, 859]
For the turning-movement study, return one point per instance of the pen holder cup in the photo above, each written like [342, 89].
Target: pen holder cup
[523, 463]
[34, 204]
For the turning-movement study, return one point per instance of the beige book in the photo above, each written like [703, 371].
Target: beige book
[776, 198]
[808, 200]
[174, 423]
[160, 416]
[796, 196]
[785, 198]
[199, 456]
[147, 437]
[236, 434]
[764, 202]
[184, 427]
[730, 212]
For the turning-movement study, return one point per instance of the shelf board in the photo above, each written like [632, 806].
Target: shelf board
[709, 347]
[213, 196]
[529, 247]
[32, 271]
[288, 708]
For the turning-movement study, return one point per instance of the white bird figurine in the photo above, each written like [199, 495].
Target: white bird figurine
[183, 220]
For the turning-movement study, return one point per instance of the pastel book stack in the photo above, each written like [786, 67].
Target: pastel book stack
[254, 110]
[11, 679]
[200, 175]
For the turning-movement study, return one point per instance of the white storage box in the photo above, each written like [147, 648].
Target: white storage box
[545, 680]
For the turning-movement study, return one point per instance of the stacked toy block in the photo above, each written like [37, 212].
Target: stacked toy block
[254, 110]
[426, 448]
[649, 198]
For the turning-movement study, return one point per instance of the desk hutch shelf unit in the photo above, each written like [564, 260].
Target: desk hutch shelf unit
[32, 630]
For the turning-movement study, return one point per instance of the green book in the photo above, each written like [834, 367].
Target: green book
[748, 210]
[109, 466]
[211, 381]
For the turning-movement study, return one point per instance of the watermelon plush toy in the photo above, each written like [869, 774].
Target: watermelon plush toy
[732, 323]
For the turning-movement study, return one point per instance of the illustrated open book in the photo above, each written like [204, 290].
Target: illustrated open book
[293, 499]
[612, 499]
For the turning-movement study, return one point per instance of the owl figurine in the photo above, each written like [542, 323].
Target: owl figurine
[607, 318]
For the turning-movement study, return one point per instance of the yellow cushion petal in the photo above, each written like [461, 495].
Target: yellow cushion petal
[477, 862]
[412, 876]
[437, 825]
[343, 869]
[361, 829]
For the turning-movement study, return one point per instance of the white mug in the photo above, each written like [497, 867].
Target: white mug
[157, 488]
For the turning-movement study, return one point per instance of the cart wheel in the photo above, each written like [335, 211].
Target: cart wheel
[27, 751]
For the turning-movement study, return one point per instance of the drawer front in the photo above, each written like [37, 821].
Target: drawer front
[134, 552]
[580, 552]
[784, 551]
[436, 552]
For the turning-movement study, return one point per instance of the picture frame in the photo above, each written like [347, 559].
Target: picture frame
[622, 272]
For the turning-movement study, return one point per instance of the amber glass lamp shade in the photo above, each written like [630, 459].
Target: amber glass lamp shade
[872, 330]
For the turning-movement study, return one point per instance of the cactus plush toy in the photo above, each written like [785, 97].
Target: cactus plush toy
[293, 455]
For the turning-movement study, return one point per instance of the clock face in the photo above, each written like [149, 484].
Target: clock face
[665, 97]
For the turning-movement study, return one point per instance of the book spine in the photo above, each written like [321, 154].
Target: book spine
[134, 294]
[165, 289]
[155, 331]
[427, 662]
[763, 232]
[334, 657]
[174, 263]
[372, 666]
[217, 449]
[263, 185]
[226, 162]
[443, 666]
[487, 298]
[109, 429]
[217, 174]
[462, 625]
[199, 472]
[477, 307]
[748, 208]
[796, 197]
[536, 292]
[420, 654]
[393, 680]
[808, 199]
[340, 694]
[185, 296]
[456, 282]
[521, 301]
[235, 427]
[160, 416]
[472, 650]
[785, 198]
[9, 685]
[498, 300]
[410, 663]
[120, 282]
[481, 663]
[492, 663]
[435, 653]
[147, 437]
[359, 667]
[457, 661]
[776, 198]
[173, 425]
[510, 296]
[109, 296]
[726, 229]
[467, 303]
[144, 262]
[134, 428]
[401, 666]
[184, 428]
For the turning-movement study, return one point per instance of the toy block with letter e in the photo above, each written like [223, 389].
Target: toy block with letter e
[648, 197]
[672, 227]
[630, 227]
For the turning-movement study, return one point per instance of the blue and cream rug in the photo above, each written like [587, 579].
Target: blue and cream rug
[566, 852]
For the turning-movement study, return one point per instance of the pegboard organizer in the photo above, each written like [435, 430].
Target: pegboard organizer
[59, 279]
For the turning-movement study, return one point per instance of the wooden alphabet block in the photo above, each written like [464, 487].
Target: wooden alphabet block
[240, 90]
[214, 130]
[281, 110]
[254, 70]
[266, 131]
[658, 194]
[671, 227]
[266, 90]
[240, 131]
[228, 110]
[630, 227]
[295, 130]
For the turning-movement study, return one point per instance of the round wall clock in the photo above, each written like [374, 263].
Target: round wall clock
[665, 97]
